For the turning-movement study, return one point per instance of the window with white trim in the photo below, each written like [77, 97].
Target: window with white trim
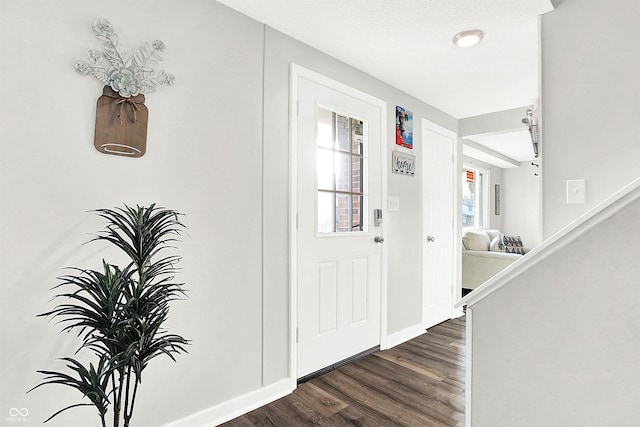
[475, 197]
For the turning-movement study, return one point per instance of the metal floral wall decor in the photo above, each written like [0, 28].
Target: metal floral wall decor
[121, 116]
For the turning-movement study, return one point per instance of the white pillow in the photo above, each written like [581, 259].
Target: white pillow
[495, 244]
[476, 240]
[493, 234]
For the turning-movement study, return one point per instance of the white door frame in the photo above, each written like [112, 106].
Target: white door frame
[456, 288]
[298, 72]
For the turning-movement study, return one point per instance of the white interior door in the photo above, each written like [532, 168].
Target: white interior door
[338, 259]
[438, 223]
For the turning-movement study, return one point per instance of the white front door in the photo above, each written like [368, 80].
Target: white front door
[338, 260]
[438, 224]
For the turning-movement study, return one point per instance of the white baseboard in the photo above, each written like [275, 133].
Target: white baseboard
[404, 335]
[457, 312]
[235, 407]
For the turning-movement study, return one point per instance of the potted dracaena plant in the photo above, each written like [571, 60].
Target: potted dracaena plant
[119, 312]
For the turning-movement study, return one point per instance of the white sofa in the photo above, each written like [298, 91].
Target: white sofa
[482, 256]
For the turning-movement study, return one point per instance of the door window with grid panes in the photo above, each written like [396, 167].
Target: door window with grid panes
[341, 166]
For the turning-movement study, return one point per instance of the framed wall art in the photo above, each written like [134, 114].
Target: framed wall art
[404, 127]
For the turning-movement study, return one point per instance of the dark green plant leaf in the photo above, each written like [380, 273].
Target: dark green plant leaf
[92, 382]
[64, 409]
[119, 313]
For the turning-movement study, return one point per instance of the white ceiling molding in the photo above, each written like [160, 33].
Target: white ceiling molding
[516, 145]
[480, 152]
[494, 123]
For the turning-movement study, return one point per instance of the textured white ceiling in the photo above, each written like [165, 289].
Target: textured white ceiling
[408, 44]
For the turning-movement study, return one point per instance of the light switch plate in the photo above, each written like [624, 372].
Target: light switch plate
[393, 204]
[576, 191]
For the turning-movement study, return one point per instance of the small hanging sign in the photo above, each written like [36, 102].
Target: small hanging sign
[403, 164]
[470, 177]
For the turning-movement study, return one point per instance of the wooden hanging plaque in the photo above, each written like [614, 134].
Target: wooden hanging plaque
[121, 124]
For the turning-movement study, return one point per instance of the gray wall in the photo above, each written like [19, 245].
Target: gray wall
[559, 344]
[521, 202]
[217, 151]
[200, 131]
[590, 103]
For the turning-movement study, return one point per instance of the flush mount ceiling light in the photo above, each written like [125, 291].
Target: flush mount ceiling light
[468, 38]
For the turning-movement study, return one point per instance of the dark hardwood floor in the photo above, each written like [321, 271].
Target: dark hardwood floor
[419, 383]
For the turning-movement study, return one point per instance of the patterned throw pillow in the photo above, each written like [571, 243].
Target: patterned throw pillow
[511, 244]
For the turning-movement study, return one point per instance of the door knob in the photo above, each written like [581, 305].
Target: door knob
[431, 239]
[378, 239]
